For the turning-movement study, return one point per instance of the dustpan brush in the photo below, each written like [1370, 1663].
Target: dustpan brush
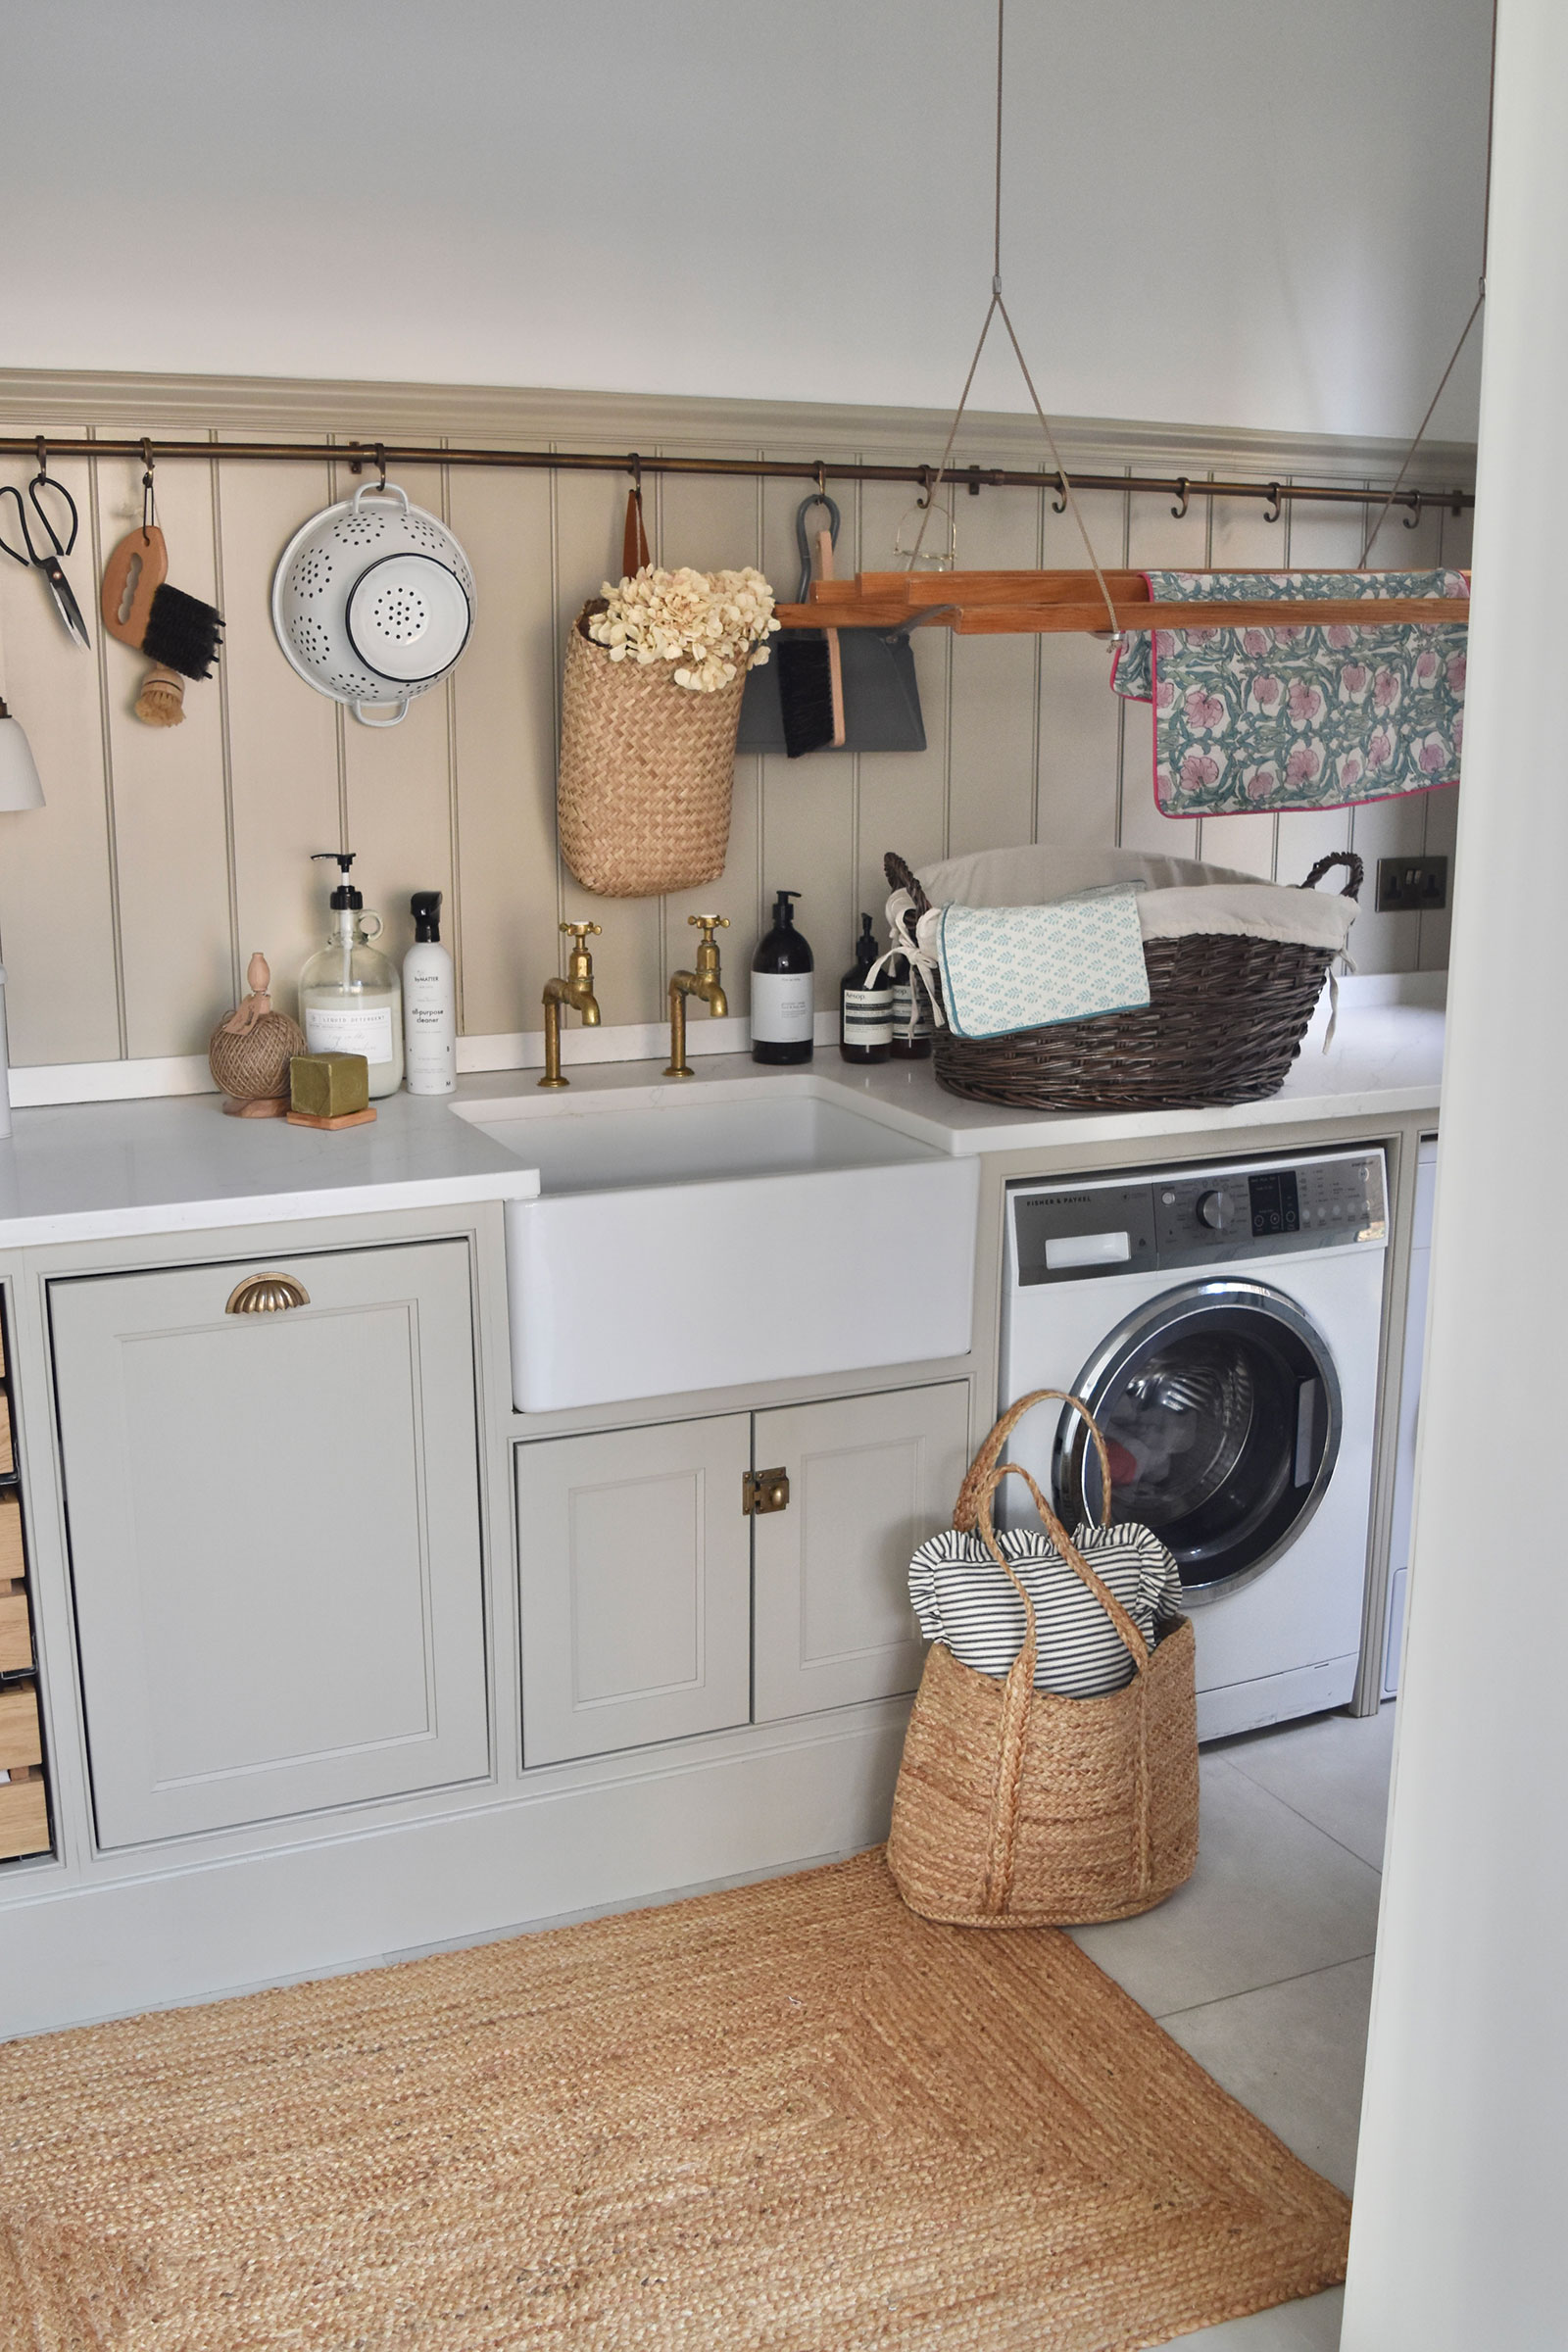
[811, 685]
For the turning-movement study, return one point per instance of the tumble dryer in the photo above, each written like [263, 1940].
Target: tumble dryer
[1223, 1325]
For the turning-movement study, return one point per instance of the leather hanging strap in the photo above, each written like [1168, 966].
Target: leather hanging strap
[635, 555]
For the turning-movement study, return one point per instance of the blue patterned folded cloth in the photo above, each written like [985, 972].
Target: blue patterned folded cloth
[1309, 717]
[1006, 969]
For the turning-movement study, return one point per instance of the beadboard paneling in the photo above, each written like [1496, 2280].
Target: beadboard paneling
[283, 736]
[58, 907]
[171, 847]
[130, 903]
[507, 888]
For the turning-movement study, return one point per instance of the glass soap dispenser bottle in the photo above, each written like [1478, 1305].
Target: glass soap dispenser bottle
[351, 1000]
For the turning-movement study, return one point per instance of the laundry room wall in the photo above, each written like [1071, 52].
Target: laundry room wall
[130, 903]
[1221, 212]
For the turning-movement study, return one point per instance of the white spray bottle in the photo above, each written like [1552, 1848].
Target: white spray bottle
[429, 1002]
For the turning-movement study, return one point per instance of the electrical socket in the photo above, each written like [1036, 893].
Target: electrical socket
[1411, 885]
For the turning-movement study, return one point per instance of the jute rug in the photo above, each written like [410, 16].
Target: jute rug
[791, 2116]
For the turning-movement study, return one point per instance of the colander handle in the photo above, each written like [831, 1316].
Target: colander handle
[361, 712]
[380, 490]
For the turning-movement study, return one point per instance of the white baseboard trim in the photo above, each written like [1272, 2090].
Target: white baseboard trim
[76, 1955]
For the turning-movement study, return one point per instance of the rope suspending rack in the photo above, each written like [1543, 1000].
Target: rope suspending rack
[355, 454]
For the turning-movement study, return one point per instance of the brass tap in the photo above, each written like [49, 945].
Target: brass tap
[703, 983]
[577, 989]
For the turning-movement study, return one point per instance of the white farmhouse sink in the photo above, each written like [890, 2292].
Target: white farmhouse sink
[704, 1240]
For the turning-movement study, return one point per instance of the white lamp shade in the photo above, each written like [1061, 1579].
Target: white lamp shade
[20, 787]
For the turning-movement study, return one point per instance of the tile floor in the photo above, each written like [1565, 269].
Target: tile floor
[1261, 1966]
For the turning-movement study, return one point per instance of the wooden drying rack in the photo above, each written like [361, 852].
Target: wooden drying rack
[1000, 603]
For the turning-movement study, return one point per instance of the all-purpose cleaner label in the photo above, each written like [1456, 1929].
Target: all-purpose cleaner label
[350, 1029]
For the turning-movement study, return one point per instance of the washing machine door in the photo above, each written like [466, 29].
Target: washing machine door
[1220, 1407]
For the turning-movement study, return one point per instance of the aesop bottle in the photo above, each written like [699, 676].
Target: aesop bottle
[781, 990]
[866, 1006]
[912, 1025]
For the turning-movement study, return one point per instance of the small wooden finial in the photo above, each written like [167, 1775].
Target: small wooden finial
[245, 1016]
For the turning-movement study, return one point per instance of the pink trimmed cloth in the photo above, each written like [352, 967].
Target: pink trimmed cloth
[1308, 717]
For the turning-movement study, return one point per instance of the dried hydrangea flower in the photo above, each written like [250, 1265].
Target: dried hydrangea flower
[715, 624]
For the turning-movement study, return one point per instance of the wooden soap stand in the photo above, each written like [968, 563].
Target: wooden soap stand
[344, 1118]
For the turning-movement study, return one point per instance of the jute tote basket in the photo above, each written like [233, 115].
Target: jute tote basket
[1016, 1808]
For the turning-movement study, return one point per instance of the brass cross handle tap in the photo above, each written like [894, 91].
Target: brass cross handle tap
[577, 989]
[703, 983]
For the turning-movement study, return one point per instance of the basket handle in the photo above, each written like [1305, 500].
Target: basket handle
[965, 1511]
[1132, 1640]
[1354, 865]
[903, 877]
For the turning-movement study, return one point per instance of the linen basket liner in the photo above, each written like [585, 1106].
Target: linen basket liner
[1017, 1808]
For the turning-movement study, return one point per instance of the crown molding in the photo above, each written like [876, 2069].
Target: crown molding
[79, 402]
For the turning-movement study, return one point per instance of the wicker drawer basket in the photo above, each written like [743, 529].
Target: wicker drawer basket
[23, 1806]
[1224, 1021]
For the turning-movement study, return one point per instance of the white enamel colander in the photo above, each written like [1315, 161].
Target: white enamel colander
[373, 600]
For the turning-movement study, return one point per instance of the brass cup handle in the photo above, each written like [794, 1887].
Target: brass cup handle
[265, 1294]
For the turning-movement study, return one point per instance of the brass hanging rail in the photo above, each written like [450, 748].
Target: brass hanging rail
[357, 455]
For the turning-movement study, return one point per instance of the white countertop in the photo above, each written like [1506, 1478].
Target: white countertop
[89, 1171]
[97, 1170]
[1386, 1060]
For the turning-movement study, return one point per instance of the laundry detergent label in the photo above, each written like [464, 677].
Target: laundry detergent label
[350, 1029]
[781, 1007]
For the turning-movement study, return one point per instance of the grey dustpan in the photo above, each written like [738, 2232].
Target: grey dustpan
[881, 699]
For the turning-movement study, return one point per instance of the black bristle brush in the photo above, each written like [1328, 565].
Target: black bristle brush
[810, 683]
[178, 633]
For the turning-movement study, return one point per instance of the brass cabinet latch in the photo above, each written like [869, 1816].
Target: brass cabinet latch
[764, 1491]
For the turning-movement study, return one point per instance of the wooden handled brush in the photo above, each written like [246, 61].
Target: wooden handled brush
[178, 633]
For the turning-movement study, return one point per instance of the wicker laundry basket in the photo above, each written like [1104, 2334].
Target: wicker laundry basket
[1016, 1808]
[1224, 1021]
[647, 772]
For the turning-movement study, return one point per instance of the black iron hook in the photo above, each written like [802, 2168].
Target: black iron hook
[42, 447]
[1059, 504]
[1181, 484]
[149, 503]
[928, 481]
[1276, 504]
[380, 459]
[1412, 521]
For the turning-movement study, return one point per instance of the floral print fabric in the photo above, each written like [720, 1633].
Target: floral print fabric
[1308, 717]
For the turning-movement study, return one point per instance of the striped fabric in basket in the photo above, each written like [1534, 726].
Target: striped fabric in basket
[963, 1600]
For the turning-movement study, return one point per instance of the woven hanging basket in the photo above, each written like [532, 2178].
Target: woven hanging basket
[1016, 1808]
[647, 772]
[1224, 1021]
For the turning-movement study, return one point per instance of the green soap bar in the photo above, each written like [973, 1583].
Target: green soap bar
[326, 1085]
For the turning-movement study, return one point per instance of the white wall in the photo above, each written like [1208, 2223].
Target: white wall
[1218, 211]
[1458, 2242]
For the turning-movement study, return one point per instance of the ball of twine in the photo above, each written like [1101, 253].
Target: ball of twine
[251, 1066]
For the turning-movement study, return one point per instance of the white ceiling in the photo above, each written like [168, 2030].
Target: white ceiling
[1226, 211]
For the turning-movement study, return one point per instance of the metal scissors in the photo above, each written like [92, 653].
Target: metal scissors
[47, 560]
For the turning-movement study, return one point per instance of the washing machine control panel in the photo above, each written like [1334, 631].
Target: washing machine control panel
[1197, 1217]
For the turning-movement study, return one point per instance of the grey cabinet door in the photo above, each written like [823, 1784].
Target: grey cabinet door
[870, 1476]
[274, 1536]
[634, 1573]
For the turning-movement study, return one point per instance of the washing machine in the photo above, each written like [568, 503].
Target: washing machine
[1223, 1325]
